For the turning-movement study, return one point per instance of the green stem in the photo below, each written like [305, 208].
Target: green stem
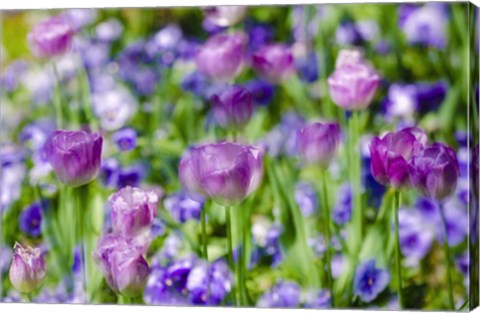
[29, 297]
[397, 249]
[355, 179]
[230, 252]
[124, 299]
[446, 249]
[57, 99]
[82, 194]
[327, 234]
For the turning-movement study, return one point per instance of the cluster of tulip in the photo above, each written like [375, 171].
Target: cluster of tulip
[230, 197]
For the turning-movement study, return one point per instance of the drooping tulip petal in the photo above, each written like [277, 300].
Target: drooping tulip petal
[28, 268]
[133, 210]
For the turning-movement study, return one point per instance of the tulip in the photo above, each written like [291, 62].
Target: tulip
[225, 16]
[354, 82]
[52, 37]
[318, 143]
[133, 210]
[28, 269]
[226, 172]
[122, 264]
[274, 63]
[222, 57]
[233, 107]
[390, 156]
[434, 171]
[74, 156]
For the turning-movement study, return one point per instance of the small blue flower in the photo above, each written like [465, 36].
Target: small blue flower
[131, 176]
[284, 294]
[318, 245]
[109, 172]
[30, 220]
[370, 281]
[216, 275]
[416, 237]
[342, 211]
[125, 139]
[307, 67]
[195, 83]
[182, 208]
[159, 289]
[261, 90]
[317, 299]
[306, 198]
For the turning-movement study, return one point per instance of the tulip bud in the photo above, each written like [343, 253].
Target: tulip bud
[232, 106]
[122, 264]
[133, 210]
[226, 172]
[74, 156]
[222, 57]
[390, 156]
[51, 37]
[434, 171]
[28, 268]
[354, 82]
[274, 63]
[318, 143]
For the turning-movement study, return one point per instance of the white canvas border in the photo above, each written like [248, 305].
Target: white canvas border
[75, 308]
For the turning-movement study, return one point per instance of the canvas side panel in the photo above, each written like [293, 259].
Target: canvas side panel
[473, 121]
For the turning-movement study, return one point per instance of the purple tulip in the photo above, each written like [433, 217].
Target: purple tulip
[434, 171]
[222, 57]
[52, 37]
[225, 16]
[122, 264]
[390, 156]
[232, 106]
[74, 156]
[28, 269]
[353, 84]
[274, 62]
[133, 210]
[226, 172]
[318, 143]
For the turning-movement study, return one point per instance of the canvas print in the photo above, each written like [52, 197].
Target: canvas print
[304, 156]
